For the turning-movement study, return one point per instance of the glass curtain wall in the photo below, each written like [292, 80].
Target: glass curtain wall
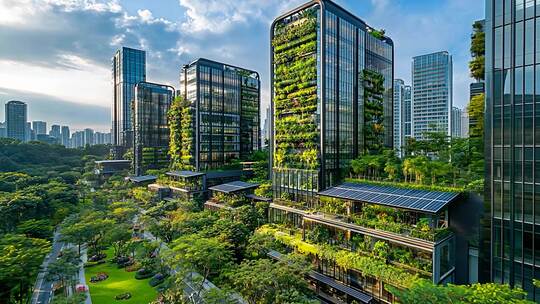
[513, 141]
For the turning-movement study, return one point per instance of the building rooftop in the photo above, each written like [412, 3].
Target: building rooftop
[185, 174]
[112, 161]
[233, 187]
[416, 200]
[142, 178]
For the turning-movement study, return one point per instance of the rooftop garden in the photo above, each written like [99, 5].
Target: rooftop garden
[232, 200]
[436, 163]
[295, 92]
[372, 216]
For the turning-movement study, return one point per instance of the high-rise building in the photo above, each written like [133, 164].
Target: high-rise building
[55, 131]
[464, 124]
[331, 96]
[128, 69]
[16, 117]
[226, 102]
[402, 114]
[267, 128]
[88, 137]
[150, 126]
[431, 94]
[512, 137]
[65, 135]
[77, 139]
[407, 114]
[455, 124]
[3, 130]
[29, 134]
[39, 127]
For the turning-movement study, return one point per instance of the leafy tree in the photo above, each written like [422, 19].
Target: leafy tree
[118, 237]
[64, 269]
[20, 260]
[77, 298]
[33, 228]
[208, 256]
[476, 112]
[264, 281]
[478, 51]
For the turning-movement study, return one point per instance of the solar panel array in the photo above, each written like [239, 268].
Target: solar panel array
[233, 187]
[417, 200]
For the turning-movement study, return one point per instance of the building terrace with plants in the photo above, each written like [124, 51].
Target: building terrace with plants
[377, 237]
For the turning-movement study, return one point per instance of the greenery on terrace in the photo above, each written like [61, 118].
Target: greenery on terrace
[295, 89]
[232, 200]
[370, 265]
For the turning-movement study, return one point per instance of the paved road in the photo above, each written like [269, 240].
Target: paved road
[82, 279]
[43, 288]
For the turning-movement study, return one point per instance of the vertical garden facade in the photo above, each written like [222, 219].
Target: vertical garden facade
[332, 78]
[151, 131]
[224, 106]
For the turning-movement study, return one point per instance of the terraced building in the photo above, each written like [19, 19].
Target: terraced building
[332, 78]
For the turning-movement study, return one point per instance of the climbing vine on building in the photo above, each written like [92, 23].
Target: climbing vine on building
[373, 111]
[182, 134]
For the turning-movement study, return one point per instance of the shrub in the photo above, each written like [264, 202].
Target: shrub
[123, 296]
[143, 273]
[157, 279]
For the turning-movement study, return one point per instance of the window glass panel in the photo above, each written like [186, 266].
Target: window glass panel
[498, 43]
[520, 8]
[507, 86]
[518, 86]
[529, 41]
[519, 45]
[529, 84]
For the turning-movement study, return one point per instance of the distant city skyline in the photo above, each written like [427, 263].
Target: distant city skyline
[69, 66]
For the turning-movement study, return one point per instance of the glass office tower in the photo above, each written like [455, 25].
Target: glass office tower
[332, 78]
[16, 116]
[512, 138]
[128, 69]
[150, 126]
[226, 103]
[432, 94]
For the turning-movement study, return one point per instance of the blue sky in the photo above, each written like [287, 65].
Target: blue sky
[55, 54]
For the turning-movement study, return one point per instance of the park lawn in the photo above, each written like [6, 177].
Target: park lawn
[119, 281]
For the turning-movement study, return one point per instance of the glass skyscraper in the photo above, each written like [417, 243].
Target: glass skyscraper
[39, 127]
[128, 69]
[431, 94]
[402, 114]
[226, 104]
[457, 114]
[151, 129]
[332, 79]
[16, 116]
[512, 138]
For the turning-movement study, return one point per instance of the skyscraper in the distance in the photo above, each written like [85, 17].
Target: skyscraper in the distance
[455, 124]
[16, 117]
[29, 134]
[88, 137]
[402, 114]
[432, 83]
[512, 138]
[39, 127]
[3, 130]
[55, 131]
[65, 136]
[128, 69]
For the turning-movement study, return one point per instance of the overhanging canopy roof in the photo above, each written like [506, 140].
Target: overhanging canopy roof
[184, 174]
[233, 187]
[142, 179]
[416, 200]
[112, 161]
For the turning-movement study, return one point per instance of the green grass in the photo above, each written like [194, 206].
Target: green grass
[119, 281]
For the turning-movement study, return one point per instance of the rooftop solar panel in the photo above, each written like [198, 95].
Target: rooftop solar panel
[412, 199]
[232, 187]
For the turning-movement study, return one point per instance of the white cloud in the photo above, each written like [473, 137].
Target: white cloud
[218, 16]
[87, 83]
